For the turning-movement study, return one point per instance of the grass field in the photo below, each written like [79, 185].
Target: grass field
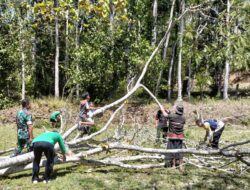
[72, 176]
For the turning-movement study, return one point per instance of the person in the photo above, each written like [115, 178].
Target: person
[55, 119]
[24, 127]
[161, 125]
[214, 129]
[84, 120]
[175, 136]
[44, 143]
[86, 129]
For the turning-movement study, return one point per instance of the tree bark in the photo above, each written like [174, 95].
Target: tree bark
[22, 56]
[57, 52]
[23, 69]
[155, 14]
[227, 64]
[189, 78]
[170, 71]
[111, 21]
[66, 39]
[181, 29]
[77, 42]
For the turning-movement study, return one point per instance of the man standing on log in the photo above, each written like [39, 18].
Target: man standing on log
[84, 120]
[44, 143]
[24, 127]
[175, 136]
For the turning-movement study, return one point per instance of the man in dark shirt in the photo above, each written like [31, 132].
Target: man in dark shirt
[161, 125]
[175, 136]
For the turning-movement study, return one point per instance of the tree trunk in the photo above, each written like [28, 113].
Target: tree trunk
[23, 70]
[57, 53]
[22, 57]
[227, 71]
[165, 50]
[170, 71]
[181, 29]
[189, 78]
[111, 21]
[67, 40]
[154, 31]
[227, 66]
[77, 46]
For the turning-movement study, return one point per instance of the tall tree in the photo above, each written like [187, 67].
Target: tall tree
[170, 70]
[181, 29]
[77, 42]
[227, 64]
[155, 14]
[56, 5]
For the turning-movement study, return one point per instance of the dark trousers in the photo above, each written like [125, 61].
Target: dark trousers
[175, 144]
[158, 132]
[216, 138]
[48, 149]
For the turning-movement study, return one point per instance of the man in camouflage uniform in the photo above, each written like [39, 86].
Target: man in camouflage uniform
[24, 127]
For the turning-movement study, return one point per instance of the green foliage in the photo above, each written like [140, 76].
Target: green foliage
[5, 102]
[111, 52]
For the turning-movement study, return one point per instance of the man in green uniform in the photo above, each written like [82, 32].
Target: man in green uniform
[24, 127]
[44, 143]
[55, 119]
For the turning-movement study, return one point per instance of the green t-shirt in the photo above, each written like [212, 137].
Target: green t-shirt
[54, 115]
[23, 119]
[53, 138]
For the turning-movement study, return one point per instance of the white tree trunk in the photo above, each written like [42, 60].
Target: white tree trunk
[170, 71]
[227, 64]
[111, 21]
[77, 47]
[22, 56]
[67, 39]
[56, 55]
[180, 52]
[155, 14]
[23, 74]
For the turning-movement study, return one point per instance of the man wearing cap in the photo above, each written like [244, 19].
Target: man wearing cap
[175, 136]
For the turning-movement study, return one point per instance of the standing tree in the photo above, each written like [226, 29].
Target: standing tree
[155, 14]
[56, 4]
[181, 30]
[227, 66]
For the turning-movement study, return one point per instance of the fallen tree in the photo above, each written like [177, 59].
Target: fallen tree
[23, 162]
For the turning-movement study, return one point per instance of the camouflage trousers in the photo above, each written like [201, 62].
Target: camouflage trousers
[21, 143]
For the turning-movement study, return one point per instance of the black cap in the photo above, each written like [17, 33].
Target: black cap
[85, 95]
[25, 102]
